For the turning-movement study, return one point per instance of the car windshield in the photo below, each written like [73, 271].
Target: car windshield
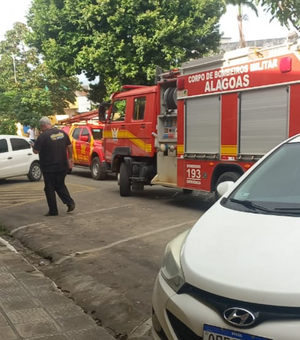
[273, 187]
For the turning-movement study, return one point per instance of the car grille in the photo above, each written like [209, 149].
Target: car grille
[262, 312]
[181, 330]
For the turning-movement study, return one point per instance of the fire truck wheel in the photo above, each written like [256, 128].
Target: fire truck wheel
[125, 183]
[187, 191]
[97, 170]
[227, 176]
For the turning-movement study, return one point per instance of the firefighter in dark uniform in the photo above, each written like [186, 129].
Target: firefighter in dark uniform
[53, 146]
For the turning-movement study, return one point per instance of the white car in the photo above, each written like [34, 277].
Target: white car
[18, 159]
[234, 275]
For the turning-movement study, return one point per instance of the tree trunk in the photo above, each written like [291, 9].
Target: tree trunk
[242, 38]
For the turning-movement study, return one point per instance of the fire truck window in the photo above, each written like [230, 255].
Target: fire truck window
[139, 108]
[97, 134]
[119, 109]
[85, 132]
[76, 133]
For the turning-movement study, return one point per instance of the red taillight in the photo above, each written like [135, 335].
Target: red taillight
[180, 84]
[285, 64]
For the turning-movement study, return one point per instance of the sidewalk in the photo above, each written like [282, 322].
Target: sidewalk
[32, 308]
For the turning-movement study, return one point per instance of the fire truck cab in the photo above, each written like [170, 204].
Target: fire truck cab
[129, 132]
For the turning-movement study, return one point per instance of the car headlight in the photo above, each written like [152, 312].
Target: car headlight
[171, 267]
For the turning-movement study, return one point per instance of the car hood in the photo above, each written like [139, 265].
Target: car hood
[244, 256]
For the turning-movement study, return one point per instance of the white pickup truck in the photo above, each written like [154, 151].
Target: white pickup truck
[18, 159]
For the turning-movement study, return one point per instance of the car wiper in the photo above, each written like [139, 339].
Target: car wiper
[250, 205]
[256, 207]
[292, 210]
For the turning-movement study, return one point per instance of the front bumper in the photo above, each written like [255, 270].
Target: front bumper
[182, 317]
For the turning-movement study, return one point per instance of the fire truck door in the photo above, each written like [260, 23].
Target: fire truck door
[140, 129]
[130, 130]
[115, 130]
[142, 120]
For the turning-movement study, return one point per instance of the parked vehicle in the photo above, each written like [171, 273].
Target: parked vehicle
[18, 159]
[203, 124]
[86, 137]
[234, 274]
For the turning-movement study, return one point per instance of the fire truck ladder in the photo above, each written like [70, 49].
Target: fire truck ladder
[81, 117]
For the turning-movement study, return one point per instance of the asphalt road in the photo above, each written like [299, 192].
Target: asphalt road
[106, 254]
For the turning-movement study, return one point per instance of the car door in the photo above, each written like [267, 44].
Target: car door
[6, 159]
[85, 145]
[75, 144]
[22, 156]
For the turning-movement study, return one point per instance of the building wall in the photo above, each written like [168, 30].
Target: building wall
[84, 104]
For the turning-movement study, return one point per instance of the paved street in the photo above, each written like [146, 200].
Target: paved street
[106, 254]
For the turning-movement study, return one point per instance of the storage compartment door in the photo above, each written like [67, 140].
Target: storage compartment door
[263, 119]
[202, 125]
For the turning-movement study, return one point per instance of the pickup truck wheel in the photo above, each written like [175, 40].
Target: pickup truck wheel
[35, 172]
[125, 183]
[97, 169]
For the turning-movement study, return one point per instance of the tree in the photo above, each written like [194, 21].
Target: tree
[240, 16]
[28, 88]
[287, 12]
[123, 41]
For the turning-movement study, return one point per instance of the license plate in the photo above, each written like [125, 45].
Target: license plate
[217, 333]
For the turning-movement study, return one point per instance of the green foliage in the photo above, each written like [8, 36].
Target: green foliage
[286, 12]
[123, 41]
[28, 88]
[245, 3]
[7, 126]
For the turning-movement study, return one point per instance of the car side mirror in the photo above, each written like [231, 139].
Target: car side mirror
[84, 138]
[223, 187]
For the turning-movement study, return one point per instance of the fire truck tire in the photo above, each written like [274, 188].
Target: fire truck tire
[227, 176]
[97, 170]
[125, 183]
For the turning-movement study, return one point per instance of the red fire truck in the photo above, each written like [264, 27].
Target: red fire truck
[205, 123]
